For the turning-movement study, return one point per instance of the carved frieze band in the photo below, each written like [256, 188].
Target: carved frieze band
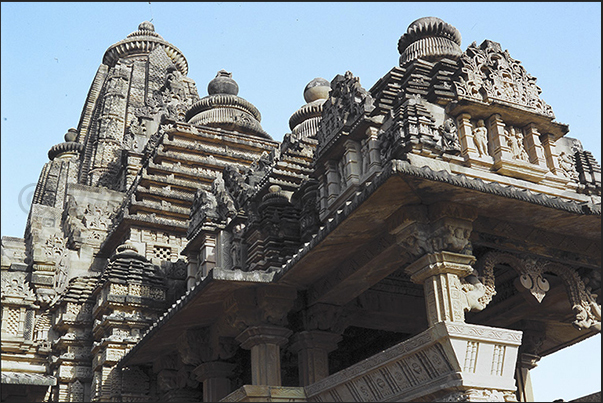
[408, 368]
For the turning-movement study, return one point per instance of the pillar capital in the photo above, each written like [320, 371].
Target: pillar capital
[214, 369]
[448, 295]
[265, 342]
[314, 339]
[528, 361]
[442, 262]
[256, 335]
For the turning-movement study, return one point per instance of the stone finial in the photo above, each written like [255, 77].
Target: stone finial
[223, 84]
[146, 26]
[306, 119]
[429, 38]
[317, 89]
[71, 135]
[67, 149]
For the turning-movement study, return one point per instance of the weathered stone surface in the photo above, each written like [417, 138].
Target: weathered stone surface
[429, 239]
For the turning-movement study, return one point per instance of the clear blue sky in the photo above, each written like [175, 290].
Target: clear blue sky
[51, 51]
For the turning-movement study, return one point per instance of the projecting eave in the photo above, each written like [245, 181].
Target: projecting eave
[402, 184]
[198, 307]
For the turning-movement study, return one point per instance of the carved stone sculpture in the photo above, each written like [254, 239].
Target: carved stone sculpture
[480, 136]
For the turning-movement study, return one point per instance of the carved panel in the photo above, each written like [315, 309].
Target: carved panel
[347, 103]
[488, 73]
[14, 285]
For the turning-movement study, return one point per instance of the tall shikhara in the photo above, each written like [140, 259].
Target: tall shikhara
[428, 239]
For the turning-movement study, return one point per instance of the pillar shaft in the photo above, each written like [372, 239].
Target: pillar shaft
[465, 134]
[216, 379]
[525, 364]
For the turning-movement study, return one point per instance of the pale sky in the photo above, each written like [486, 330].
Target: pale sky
[51, 51]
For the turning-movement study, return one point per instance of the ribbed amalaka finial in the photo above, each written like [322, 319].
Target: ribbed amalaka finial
[431, 39]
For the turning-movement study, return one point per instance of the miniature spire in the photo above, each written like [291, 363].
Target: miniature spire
[305, 120]
[223, 108]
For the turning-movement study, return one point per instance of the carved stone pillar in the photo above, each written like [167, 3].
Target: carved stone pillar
[496, 138]
[265, 343]
[465, 133]
[191, 271]
[352, 168]
[134, 165]
[550, 153]
[534, 334]
[165, 368]
[216, 379]
[332, 181]
[207, 254]
[374, 154]
[313, 348]
[525, 363]
[440, 274]
[533, 145]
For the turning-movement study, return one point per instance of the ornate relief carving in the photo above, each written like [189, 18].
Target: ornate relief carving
[515, 141]
[586, 309]
[532, 279]
[14, 285]
[413, 128]
[54, 246]
[480, 395]
[567, 165]
[449, 137]
[326, 317]
[236, 185]
[488, 73]
[226, 205]
[473, 291]
[347, 103]
[196, 346]
[390, 373]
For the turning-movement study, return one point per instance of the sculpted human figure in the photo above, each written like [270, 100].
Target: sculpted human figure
[480, 136]
[523, 155]
[450, 140]
[515, 141]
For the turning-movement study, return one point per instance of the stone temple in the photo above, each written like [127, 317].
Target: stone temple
[427, 239]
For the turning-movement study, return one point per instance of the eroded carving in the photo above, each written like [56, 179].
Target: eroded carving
[450, 140]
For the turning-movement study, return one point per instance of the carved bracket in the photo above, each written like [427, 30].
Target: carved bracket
[586, 309]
